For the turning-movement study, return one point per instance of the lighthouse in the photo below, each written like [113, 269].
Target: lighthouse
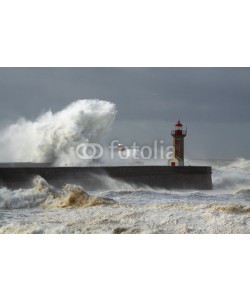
[178, 135]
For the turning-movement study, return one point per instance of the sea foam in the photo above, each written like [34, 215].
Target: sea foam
[53, 137]
[42, 194]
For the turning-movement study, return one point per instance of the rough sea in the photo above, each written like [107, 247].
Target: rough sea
[125, 208]
[120, 207]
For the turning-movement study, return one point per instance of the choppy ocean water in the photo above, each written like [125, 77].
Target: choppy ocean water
[120, 207]
[124, 208]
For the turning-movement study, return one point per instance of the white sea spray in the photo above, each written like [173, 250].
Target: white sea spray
[53, 137]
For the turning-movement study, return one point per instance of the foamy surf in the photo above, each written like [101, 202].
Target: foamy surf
[178, 218]
[46, 196]
[122, 210]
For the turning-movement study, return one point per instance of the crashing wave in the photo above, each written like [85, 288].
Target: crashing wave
[53, 137]
[44, 195]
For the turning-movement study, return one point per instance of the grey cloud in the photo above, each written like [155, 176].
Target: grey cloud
[152, 98]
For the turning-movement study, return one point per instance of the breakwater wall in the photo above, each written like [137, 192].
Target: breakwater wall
[185, 177]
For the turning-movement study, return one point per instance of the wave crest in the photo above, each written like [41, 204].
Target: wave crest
[53, 137]
[44, 195]
[230, 208]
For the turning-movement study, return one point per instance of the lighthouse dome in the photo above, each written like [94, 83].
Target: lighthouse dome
[178, 124]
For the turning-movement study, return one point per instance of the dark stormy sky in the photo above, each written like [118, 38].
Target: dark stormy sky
[214, 103]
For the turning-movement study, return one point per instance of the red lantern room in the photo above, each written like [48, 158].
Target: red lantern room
[179, 130]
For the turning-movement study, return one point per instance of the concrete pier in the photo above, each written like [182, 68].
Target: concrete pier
[19, 175]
